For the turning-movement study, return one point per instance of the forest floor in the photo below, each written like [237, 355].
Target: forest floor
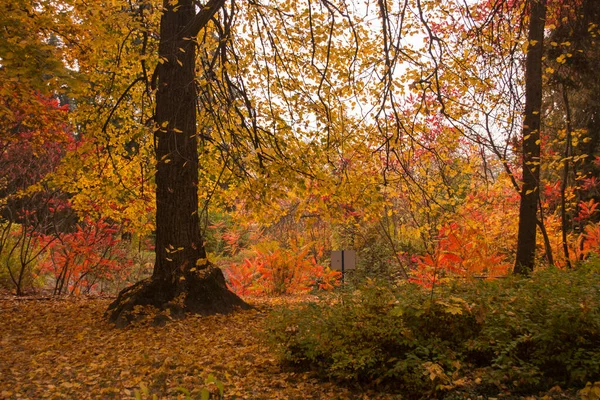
[65, 349]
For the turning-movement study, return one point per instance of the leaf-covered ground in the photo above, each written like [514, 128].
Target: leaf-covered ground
[65, 349]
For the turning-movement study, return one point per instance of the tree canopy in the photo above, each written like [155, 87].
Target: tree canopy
[409, 130]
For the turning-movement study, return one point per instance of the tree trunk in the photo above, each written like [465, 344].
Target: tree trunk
[526, 241]
[565, 177]
[183, 280]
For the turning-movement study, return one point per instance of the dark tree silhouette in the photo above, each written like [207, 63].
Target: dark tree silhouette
[526, 241]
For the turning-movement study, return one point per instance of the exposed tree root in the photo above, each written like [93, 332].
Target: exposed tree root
[199, 291]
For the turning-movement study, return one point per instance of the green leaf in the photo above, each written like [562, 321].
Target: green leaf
[183, 390]
[205, 394]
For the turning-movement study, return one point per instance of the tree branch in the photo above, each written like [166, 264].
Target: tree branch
[201, 19]
[121, 98]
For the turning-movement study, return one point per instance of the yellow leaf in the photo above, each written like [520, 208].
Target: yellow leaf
[201, 262]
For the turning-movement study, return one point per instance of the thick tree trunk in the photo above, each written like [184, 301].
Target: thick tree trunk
[183, 280]
[526, 241]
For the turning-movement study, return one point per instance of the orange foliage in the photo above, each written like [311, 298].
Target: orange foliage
[591, 240]
[477, 243]
[280, 271]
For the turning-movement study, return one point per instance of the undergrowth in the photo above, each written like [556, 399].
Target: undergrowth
[517, 335]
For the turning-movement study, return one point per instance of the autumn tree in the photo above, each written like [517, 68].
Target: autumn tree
[319, 107]
[572, 128]
[34, 134]
[183, 280]
[33, 139]
[526, 242]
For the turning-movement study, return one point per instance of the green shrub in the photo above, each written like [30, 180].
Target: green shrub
[542, 331]
[377, 334]
[516, 333]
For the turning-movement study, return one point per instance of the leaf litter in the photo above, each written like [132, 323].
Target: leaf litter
[64, 349]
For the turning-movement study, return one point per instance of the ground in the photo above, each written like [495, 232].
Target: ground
[65, 349]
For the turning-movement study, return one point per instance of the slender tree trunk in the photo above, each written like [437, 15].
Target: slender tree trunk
[183, 280]
[526, 241]
[547, 245]
[565, 177]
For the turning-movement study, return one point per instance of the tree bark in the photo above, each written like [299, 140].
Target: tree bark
[526, 241]
[183, 280]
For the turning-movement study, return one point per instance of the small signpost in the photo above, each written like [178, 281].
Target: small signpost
[343, 260]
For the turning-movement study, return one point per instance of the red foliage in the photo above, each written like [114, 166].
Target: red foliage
[551, 194]
[79, 260]
[32, 141]
[586, 210]
[591, 242]
[242, 277]
[590, 184]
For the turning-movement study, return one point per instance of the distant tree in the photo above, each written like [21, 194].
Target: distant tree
[34, 136]
[573, 103]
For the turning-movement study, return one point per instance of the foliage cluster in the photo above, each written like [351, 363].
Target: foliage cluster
[82, 260]
[477, 242]
[513, 334]
[273, 270]
[92, 259]
[277, 261]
